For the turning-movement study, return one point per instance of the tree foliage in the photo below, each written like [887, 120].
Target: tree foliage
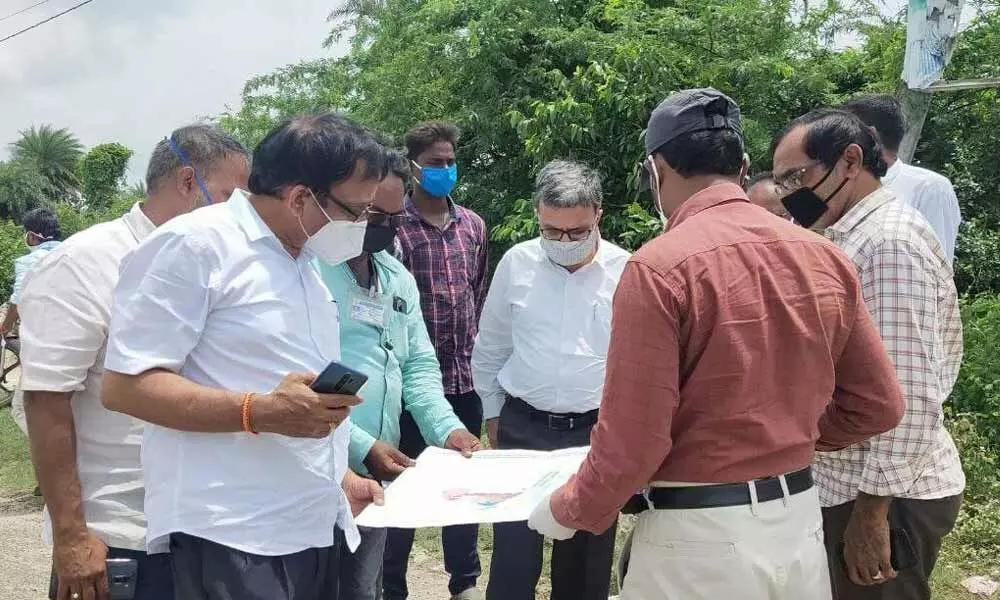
[56, 154]
[532, 80]
[22, 188]
[102, 172]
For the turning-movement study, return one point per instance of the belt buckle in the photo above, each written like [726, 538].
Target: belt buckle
[561, 423]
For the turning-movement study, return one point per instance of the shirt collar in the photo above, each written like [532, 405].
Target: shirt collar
[247, 218]
[47, 245]
[412, 210]
[893, 172]
[705, 199]
[861, 211]
[138, 223]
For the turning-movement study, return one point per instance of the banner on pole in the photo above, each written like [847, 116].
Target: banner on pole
[930, 36]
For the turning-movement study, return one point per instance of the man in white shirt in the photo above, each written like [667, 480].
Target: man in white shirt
[220, 325]
[930, 193]
[538, 365]
[87, 457]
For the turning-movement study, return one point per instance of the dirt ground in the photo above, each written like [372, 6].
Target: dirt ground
[25, 560]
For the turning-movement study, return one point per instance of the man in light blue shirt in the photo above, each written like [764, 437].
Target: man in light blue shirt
[41, 236]
[383, 335]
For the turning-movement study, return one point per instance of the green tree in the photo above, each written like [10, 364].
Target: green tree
[102, 172]
[532, 80]
[56, 153]
[22, 188]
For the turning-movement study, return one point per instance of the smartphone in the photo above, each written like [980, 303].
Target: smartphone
[338, 379]
[123, 574]
[901, 553]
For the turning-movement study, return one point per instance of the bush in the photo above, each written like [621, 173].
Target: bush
[977, 270]
[976, 397]
[974, 411]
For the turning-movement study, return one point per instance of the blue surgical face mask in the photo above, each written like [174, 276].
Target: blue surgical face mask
[438, 181]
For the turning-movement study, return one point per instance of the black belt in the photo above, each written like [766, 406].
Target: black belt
[716, 496]
[554, 421]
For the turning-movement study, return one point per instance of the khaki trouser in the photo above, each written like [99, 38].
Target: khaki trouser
[771, 551]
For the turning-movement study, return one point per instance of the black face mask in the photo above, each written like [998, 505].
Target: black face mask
[379, 236]
[805, 205]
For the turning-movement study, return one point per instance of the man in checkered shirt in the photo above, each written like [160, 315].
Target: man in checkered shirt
[908, 479]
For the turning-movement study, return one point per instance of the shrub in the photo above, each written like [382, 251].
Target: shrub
[976, 397]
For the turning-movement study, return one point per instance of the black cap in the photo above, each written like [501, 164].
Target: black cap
[689, 111]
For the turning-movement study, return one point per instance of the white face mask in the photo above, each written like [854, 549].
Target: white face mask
[569, 254]
[654, 176]
[337, 241]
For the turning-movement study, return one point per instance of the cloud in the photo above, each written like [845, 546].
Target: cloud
[131, 71]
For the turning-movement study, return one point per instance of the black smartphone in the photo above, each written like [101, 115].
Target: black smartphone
[901, 553]
[338, 379]
[123, 573]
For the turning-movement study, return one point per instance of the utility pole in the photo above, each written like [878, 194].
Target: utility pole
[931, 31]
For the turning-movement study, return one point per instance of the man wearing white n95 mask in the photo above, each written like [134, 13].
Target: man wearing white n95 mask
[220, 325]
[538, 365]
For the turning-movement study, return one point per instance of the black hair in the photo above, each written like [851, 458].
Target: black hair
[829, 131]
[317, 151]
[43, 222]
[759, 177]
[423, 136]
[884, 113]
[708, 152]
[397, 164]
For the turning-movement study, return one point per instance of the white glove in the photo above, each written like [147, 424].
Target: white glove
[544, 522]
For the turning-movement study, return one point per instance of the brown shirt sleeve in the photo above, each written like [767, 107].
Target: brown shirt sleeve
[632, 436]
[867, 399]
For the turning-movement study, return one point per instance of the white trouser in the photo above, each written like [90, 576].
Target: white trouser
[17, 410]
[773, 551]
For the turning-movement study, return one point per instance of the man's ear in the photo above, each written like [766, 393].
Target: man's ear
[186, 181]
[297, 196]
[854, 156]
[745, 170]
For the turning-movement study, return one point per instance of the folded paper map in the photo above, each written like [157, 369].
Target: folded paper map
[494, 486]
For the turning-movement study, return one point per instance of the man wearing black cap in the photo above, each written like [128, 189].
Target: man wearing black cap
[731, 333]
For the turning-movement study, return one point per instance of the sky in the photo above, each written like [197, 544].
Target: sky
[131, 71]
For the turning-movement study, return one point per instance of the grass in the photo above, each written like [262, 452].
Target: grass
[16, 472]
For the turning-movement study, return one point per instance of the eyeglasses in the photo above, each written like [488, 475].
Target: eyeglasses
[574, 235]
[795, 179]
[359, 217]
[377, 217]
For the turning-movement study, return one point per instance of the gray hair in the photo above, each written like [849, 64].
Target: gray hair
[201, 146]
[568, 184]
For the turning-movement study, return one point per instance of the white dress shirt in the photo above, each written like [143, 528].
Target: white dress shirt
[65, 309]
[214, 296]
[933, 196]
[544, 332]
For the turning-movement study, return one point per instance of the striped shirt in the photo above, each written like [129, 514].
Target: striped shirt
[907, 284]
[450, 268]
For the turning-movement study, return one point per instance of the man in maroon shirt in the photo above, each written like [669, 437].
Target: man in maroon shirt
[731, 332]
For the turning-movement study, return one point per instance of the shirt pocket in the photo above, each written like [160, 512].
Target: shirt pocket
[397, 334]
[596, 333]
